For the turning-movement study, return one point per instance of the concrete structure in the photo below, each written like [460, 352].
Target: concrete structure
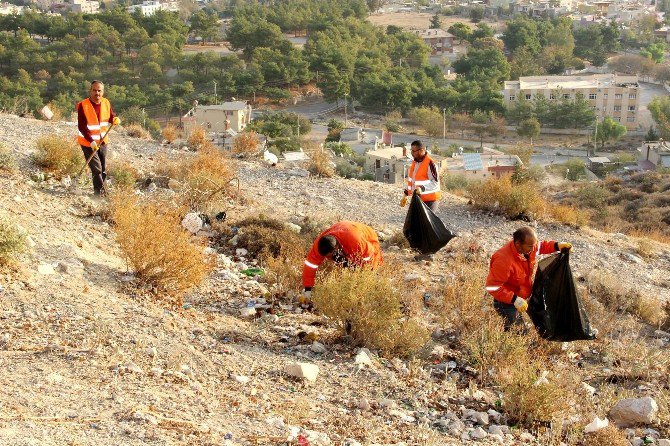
[149, 8]
[8, 8]
[233, 116]
[85, 6]
[438, 40]
[609, 94]
[482, 166]
[390, 164]
[653, 155]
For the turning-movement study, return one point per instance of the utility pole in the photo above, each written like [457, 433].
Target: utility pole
[345, 109]
[215, 92]
[298, 119]
[444, 127]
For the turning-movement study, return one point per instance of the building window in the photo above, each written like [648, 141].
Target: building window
[630, 119]
[378, 164]
[593, 96]
[617, 119]
[512, 98]
[552, 96]
[631, 108]
[566, 96]
[604, 95]
[617, 108]
[632, 96]
[528, 97]
[618, 96]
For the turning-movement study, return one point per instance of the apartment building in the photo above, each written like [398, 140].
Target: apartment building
[439, 40]
[149, 8]
[85, 6]
[609, 94]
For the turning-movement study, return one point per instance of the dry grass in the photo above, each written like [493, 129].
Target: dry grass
[512, 200]
[320, 163]
[266, 237]
[197, 138]
[7, 161]
[166, 256]
[645, 248]
[398, 239]
[170, 133]
[12, 241]
[366, 305]
[137, 131]
[124, 174]
[608, 436]
[246, 144]
[58, 155]
[569, 215]
[204, 177]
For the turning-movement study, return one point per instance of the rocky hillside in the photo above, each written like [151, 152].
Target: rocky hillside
[88, 359]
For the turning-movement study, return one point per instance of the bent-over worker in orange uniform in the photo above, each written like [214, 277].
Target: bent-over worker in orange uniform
[512, 270]
[348, 244]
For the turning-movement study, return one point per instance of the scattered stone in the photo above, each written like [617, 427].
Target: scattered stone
[241, 379]
[589, 389]
[386, 403]
[151, 351]
[525, 436]
[412, 277]
[478, 433]
[302, 370]
[633, 411]
[241, 252]
[362, 358]
[317, 347]
[494, 429]
[663, 442]
[46, 269]
[596, 425]
[248, 312]
[293, 227]
[132, 367]
[437, 352]
[271, 318]
[192, 222]
[364, 404]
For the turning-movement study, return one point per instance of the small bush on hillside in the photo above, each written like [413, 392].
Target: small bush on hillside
[366, 305]
[608, 436]
[12, 241]
[514, 201]
[137, 131]
[532, 173]
[320, 164]
[123, 174]
[266, 237]
[58, 154]
[569, 215]
[454, 182]
[398, 239]
[170, 133]
[246, 143]
[165, 256]
[197, 138]
[7, 161]
[592, 195]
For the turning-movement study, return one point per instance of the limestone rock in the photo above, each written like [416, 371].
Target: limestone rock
[302, 370]
[633, 411]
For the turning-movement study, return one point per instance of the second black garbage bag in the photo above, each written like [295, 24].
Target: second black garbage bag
[424, 230]
[554, 306]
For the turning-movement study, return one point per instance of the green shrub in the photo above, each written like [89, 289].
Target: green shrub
[12, 241]
[58, 154]
[452, 182]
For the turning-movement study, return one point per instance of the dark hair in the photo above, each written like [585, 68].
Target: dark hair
[97, 82]
[417, 143]
[522, 233]
[327, 244]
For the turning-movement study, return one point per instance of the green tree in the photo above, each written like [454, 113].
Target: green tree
[483, 65]
[460, 30]
[659, 107]
[521, 32]
[204, 25]
[589, 45]
[525, 63]
[529, 128]
[486, 123]
[481, 31]
[655, 52]
[476, 14]
[435, 22]
[609, 130]
[651, 134]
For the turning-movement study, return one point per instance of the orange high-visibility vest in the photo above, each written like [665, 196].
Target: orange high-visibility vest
[421, 178]
[97, 128]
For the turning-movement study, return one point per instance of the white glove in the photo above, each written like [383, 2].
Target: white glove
[520, 304]
[94, 146]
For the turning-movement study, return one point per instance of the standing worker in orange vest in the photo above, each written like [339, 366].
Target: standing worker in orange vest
[422, 177]
[94, 115]
[348, 244]
[511, 273]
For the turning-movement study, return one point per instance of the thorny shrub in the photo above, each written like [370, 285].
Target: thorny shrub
[512, 200]
[398, 239]
[7, 161]
[197, 138]
[246, 143]
[137, 131]
[124, 174]
[366, 306]
[170, 133]
[12, 241]
[58, 154]
[569, 215]
[608, 436]
[320, 163]
[155, 245]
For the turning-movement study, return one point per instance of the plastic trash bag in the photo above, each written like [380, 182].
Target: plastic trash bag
[423, 229]
[554, 305]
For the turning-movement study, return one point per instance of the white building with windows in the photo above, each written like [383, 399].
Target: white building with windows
[609, 94]
[149, 8]
[85, 6]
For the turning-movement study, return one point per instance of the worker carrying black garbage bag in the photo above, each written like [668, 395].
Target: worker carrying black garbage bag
[424, 230]
[510, 279]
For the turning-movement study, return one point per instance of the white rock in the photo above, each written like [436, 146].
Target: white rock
[478, 433]
[596, 425]
[633, 411]
[527, 437]
[156, 371]
[481, 418]
[241, 379]
[494, 429]
[663, 442]
[293, 227]
[637, 441]
[437, 352]
[46, 269]
[362, 358]
[241, 252]
[317, 347]
[542, 379]
[151, 351]
[192, 222]
[132, 367]
[386, 403]
[302, 370]
[248, 312]
[589, 389]
[412, 276]
[364, 404]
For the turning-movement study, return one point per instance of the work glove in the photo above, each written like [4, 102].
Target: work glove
[418, 191]
[520, 304]
[403, 201]
[564, 245]
[305, 298]
[116, 120]
[94, 146]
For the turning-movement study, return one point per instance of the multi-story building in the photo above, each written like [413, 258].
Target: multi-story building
[229, 116]
[609, 94]
[149, 8]
[439, 40]
[653, 155]
[85, 6]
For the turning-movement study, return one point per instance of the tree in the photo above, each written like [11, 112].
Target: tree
[488, 65]
[609, 130]
[476, 14]
[529, 128]
[522, 32]
[430, 119]
[462, 121]
[482, 31]
[659, 108]
[655, 52]
[525, 63]
[435, 22]
[460, 30]
[651, 134]
[484, 123]
[204, 25]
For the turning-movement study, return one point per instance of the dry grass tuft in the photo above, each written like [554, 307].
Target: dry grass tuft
[398, 239]
[124, 174]
[569, 215]
[246, 144]
[197, 138]
[137, 131]
[170, 133]
[266, 237]
[12, 241]
[512, 200]
[7, 161]
[366, 305]
[320, 163]
[608, 436]
[645, 248]
[58, 154]
[165, 255]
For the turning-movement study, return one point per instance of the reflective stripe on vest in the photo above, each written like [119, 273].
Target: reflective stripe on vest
[421, 178]
[97, 129]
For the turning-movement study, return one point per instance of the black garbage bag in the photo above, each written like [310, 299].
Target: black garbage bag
[423, 229]
[554, 306]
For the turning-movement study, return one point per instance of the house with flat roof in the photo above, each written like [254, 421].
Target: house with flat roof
[439, 40]
[235, 116]
[609, 94]
[653, 155]
[390, 164]
[482, 166]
